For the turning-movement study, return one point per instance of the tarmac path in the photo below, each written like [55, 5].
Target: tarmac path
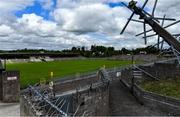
[123, 103]
[9, 109]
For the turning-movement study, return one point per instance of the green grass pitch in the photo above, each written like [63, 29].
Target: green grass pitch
[31, 73]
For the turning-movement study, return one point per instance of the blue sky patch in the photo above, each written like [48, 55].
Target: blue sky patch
[119, 4]
[37, 9]
[115, 4]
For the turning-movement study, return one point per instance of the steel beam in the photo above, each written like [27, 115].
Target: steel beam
[49, 102]
[158, 29]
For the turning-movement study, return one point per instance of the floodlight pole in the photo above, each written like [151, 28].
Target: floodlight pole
[156, 27]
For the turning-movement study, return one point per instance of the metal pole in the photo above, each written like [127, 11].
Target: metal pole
[132, 60]
[132, 87]
[5, 64]
[57, 106]
[132, 80]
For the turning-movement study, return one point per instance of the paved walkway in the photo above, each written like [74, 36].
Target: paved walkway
[9, 109]
[123, 103]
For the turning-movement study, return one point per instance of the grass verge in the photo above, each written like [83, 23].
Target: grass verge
[170, 87]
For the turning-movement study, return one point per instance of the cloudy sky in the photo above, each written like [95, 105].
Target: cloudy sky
[61, 24]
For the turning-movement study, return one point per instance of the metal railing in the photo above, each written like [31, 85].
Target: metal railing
[176, 53]
[42, 103]
[39, 101]
[145, 72]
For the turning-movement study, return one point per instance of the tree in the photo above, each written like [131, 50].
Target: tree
[74, 49]
[125, 51]
[83, 49]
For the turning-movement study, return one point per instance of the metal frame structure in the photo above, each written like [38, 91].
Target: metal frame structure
[41, 101]
[153, 21]
[43, 104]
[176, 53]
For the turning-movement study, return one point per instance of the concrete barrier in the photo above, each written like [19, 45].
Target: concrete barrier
[169, 105]
[70, 84]
[96, 100]
[10, 86]
[90, 96]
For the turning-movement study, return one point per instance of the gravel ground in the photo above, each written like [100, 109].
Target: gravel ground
[9, 109]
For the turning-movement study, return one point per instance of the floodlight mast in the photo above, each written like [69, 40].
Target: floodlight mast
[170, 39]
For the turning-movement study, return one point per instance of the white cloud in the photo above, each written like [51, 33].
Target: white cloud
[92, 18]
[32, 31]
[31, 23]
[71, 16]
[11, 5]
[5, 30]
[96, 17]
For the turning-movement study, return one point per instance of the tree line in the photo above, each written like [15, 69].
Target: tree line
[94, 51]
[102, 51]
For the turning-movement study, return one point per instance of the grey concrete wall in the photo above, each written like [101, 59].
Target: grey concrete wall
[71, 84]
[140, 57]
[126, 75]
[157, 70]
[10, 86]
[96, 101]
[169, 105]
[1, 92]
[25, 107]
[93, 102]
[162, 70]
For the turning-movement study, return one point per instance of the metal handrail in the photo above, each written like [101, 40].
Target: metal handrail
[176, 53]
[145, 72]
[46, 100]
